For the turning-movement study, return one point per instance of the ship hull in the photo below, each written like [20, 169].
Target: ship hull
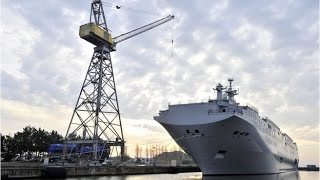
[229, 146]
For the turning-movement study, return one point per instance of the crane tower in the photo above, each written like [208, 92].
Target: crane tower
[95, 126]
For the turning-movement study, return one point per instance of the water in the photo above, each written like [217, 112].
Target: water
[302, 175]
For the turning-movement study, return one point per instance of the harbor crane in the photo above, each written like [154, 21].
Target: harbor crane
[96, 116]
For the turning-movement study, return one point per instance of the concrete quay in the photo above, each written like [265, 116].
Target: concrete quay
[34, 171]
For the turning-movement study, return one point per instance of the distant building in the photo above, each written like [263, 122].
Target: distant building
[179, 158]
[145, 161]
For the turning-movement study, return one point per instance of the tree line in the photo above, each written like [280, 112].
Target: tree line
[28, 144]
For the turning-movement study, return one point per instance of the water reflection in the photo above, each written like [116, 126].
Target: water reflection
[282, 176]
[196, 176]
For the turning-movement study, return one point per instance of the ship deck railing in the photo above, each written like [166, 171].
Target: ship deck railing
[252, 108]
[188, 102]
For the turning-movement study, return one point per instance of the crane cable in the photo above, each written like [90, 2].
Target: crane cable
[172, 43]
[110, 5]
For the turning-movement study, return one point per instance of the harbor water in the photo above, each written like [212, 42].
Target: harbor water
[301, 175]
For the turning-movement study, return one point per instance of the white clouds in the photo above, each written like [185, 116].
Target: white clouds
[68, 12]
[217, 9]
[145, 133]
[254, 36]
[19, 38]
[196, 35]
[197, 58]
[307, 139]
[16, 115]
[270, 48]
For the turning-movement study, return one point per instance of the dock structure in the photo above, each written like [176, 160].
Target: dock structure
[37, 171]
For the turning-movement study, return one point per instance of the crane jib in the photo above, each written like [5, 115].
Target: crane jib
[142, 29]
[99, 36]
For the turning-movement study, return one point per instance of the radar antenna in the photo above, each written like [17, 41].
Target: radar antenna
[231, 92]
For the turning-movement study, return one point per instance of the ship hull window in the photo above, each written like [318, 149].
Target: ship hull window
[236, 132]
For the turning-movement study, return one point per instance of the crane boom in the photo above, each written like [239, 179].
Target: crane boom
[140, 30]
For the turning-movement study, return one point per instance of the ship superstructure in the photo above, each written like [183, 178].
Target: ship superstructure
[224, 137]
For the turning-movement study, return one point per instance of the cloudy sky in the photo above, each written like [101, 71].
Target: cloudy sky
[270, 48]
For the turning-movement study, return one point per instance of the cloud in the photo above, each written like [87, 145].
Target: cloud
[19, 38]
[270, 48]
[307, 139]
[15, 115]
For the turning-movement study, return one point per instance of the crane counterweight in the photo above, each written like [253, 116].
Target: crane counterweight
[95, 34]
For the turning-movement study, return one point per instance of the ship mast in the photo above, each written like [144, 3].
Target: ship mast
[231, 92]
[219, 88]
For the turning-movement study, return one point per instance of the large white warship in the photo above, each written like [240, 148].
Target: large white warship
[224, 137]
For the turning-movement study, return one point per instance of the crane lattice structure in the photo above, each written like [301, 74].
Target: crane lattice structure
[96, 122]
